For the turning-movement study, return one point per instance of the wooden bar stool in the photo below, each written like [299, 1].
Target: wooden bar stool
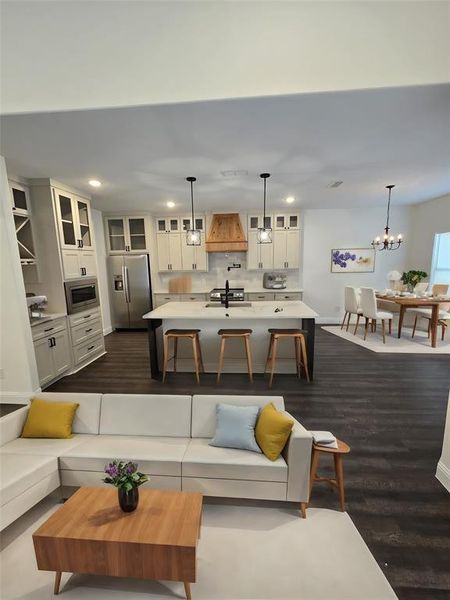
[176, 334]
[301, 358]
[338, 482]
[235, 333]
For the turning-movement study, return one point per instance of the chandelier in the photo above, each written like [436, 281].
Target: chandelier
[388, 242]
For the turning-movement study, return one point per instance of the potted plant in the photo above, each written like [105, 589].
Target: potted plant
[127, 479]
[412, 278]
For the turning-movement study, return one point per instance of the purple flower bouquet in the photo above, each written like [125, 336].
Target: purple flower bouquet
[126, 478]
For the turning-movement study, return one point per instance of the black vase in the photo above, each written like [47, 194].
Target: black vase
[128, 501]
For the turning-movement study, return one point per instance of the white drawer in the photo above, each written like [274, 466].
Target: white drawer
[84, 317]
[49, 328]
[161, 299]
[87, 330]
[193, 297]
[88, 349]
[255, 296]
[288, 295]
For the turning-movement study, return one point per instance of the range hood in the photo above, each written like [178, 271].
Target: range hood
[226, 234]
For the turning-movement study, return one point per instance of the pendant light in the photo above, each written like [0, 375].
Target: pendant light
[264, 234]
[193, 235]
[388, 242]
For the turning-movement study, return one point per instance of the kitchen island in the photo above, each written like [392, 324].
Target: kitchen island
[210, 317]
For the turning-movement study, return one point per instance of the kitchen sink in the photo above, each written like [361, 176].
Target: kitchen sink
[230, 305]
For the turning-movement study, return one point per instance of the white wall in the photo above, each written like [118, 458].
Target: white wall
[443, 468]
[428, 218]
[130, 52]
[102, 273]
[328, 229]
[19, 376]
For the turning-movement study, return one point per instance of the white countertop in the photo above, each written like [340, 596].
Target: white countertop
[291, 309]
[253, 290]
[46, 318]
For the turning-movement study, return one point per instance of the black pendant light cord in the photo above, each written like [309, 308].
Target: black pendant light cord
[389, 205]
[264, 176]
[191, 181]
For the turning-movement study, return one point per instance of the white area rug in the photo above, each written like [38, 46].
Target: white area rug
[245, 552]
[420, 344]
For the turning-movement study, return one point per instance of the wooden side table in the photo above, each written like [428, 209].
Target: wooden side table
[338, 482]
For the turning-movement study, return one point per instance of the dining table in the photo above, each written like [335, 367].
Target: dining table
[406, 302]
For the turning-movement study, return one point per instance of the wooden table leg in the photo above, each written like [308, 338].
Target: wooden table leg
[400, 319]
[57, 582]
[340, 479]
[434, 324]
[187, 589]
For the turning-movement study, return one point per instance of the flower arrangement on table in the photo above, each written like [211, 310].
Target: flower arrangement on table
[127, 479]
[412, 278]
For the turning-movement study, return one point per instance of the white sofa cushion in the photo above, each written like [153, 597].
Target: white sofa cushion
[87, 416]
[154, 455]
[146, 414]
[44, 446]
[204, 410]
[203, 460]
[11, 425]
[19, 472]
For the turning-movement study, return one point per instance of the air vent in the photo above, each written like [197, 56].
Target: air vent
[335, 184]
[234, 173]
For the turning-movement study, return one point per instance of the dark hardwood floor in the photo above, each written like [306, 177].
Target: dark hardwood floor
[390, 408]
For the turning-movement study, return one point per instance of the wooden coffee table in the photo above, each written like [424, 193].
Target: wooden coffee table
[90, 534]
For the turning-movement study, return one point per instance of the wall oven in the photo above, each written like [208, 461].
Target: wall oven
[81, 294]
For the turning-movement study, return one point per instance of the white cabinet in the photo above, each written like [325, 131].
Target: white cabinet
[169, 252]
[193, 258]
[282, 221]
[168, 225]
[52, 351]
[73, 215]
[259, 256]
[255, 221]
[19, 199]
[286, 249]
[126, 234]
[78, 263]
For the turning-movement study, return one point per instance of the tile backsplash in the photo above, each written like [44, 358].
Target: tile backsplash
[217, 274]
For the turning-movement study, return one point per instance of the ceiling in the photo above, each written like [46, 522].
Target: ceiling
[367, 139]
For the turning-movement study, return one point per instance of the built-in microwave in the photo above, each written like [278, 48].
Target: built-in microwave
[81, 294]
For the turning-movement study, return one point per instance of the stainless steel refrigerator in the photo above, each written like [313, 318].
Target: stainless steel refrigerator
[130, 290]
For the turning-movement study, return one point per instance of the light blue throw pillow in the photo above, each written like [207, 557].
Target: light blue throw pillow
[235, 427]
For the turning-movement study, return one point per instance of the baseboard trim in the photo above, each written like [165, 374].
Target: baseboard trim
[443, 475]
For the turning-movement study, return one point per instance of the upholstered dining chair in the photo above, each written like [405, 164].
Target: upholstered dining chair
[351, 304]
[371, 313]
[425, 313]
[421, 287]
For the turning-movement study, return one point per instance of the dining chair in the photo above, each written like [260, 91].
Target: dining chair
[421, 287]
[351, 305]
[437, 289]
[371, 313]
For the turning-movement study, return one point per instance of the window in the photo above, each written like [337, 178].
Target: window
[440, 266]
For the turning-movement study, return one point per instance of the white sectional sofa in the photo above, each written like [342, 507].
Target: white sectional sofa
[168, 435]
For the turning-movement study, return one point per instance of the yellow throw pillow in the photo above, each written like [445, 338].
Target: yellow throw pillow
[272, 431]
[49, 419]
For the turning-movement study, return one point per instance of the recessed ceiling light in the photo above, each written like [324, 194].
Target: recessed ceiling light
[95, 182]
[290, 199]
[170, 204]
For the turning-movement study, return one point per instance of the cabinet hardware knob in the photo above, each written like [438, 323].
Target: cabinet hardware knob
[88, 330]
[90, 348]
[86, 316]
[49, 329]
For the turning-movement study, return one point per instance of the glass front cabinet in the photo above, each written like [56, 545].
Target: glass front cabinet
[126, 234]
[74, 221]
